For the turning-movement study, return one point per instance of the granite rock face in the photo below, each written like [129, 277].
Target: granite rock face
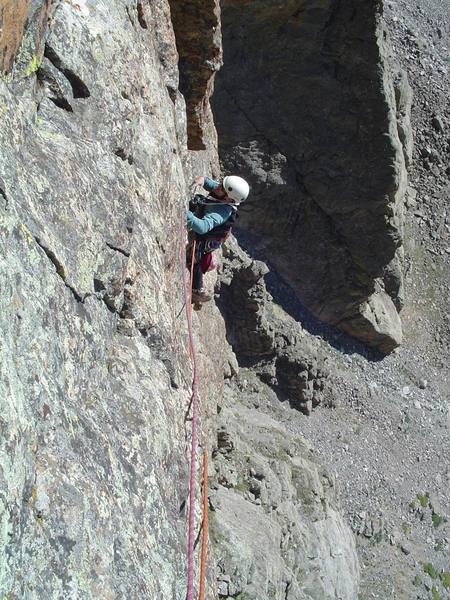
[95, 374]
[316, 131]
[197, 28]
[275, 519]
[94, 369]
[266, 338]
[23, 27]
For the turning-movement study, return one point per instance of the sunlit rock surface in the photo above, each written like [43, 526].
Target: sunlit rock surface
[95, 374]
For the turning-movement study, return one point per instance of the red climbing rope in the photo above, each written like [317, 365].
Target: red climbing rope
[201, 595]
[187, 300]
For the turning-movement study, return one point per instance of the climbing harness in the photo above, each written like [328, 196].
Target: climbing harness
[220, 233]
[206, 243]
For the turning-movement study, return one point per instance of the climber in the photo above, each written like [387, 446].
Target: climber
[211, 219]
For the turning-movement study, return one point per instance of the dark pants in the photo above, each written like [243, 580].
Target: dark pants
[197, 273]
[203, 248]
[197, 276]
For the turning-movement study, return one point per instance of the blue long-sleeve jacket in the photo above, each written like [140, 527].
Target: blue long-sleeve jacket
[215, 215]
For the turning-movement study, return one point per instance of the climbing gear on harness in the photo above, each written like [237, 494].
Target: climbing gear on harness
[206, 243]
[236, 188]
[220, 233]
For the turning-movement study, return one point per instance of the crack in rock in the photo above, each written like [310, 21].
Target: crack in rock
[124, 155]
[141, 15]
[60, 270]
[79, 88]
[117, 249]
[3, 194]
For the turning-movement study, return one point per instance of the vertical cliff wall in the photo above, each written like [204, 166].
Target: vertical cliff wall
[94, 369]
[305, 108]
[95, 375]
[198, 32]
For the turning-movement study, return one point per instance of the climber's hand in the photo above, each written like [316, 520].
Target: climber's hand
[198, 181]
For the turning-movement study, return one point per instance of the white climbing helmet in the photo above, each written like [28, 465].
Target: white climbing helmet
[236, 188]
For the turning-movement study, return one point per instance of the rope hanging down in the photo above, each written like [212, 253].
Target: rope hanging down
[187, 301]
[191, 537]
[201, 595]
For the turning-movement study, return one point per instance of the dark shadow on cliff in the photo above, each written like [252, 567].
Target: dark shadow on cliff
[285, 297]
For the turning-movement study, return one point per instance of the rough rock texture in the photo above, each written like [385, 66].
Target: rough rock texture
[23, 25]
[263, 336]
[95, 377]
[94, 369]
[243, 299]
[197, 29]
[315, 130]
[275, 519]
